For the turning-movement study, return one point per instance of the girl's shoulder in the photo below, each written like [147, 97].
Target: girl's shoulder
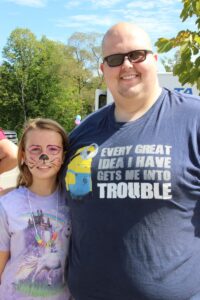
[12, 195]
[5, 191]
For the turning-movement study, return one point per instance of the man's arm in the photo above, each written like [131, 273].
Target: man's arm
[8, 155]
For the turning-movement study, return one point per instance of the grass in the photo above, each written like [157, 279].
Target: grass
[37, 290]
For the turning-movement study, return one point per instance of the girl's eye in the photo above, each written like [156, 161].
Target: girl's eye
[53, 149]
[34, 150]
[50, 149]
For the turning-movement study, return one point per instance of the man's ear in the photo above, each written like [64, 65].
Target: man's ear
[101, 67]
[155, 56]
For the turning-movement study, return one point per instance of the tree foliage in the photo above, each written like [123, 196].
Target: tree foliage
[86, 47]
[169, 62]
[187, 67]
[43, 78]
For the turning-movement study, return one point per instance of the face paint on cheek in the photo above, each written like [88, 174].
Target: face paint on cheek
[43, 159]
[31, 162]
[57, 161]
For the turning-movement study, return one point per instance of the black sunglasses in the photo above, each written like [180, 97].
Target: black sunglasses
[135, 56]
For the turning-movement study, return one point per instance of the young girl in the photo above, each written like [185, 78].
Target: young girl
[34, 219]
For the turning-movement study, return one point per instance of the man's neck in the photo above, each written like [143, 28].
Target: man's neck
[134, 110]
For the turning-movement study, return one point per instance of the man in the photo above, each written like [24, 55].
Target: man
[133, 182]
[8, 154]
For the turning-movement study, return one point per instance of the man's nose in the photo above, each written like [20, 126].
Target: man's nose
[127, 62]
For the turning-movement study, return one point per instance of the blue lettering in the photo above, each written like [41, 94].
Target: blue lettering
[188, 91]
[184, 90]
[179, 89]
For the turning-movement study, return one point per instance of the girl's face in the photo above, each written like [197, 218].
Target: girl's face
[43, 153]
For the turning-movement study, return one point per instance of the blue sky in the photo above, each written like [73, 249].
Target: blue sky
[59, 19]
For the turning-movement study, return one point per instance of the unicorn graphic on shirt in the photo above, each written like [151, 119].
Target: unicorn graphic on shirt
[33, 267]
[44, 263]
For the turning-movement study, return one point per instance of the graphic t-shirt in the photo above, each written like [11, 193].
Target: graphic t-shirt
[36, 230]
[134, 195]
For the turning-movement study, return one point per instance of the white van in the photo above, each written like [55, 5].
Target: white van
[11, 135]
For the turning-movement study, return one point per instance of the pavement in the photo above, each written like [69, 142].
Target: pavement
[9, 179]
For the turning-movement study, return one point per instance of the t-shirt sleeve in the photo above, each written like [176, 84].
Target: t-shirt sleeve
[4, 227]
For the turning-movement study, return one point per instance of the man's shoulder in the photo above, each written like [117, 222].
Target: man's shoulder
[184, 96]
[98, 114]
[183, 100]
[93, 120]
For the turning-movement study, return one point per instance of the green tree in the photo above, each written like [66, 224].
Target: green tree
[87, 50]
[187, 67]
[169, 63]
[20, 53]
[10, 108]
[37, 79]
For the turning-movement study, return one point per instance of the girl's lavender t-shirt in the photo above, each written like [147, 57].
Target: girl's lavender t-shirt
[34, 271]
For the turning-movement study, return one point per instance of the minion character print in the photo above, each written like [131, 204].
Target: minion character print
[78, 176]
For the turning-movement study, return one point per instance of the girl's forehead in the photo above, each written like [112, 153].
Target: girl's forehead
[42, 136]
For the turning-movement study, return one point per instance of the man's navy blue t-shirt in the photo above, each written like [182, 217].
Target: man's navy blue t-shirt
[134, 194]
